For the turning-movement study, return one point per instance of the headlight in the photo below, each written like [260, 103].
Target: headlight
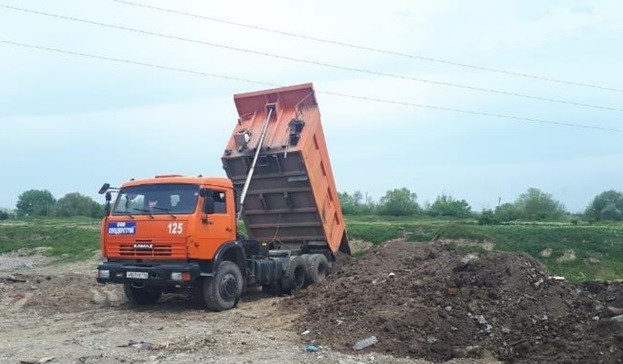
[176, 276]
[104, 274]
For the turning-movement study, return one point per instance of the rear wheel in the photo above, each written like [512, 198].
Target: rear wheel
[273, 289]
[141, 295]
[223, 291]
[317, 268]
[294, 276]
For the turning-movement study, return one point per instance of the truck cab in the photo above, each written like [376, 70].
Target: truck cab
[165, 233]
[170, 217]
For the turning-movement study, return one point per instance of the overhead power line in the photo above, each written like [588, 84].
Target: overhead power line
[343, 95]
[317, 63]
[372, 49]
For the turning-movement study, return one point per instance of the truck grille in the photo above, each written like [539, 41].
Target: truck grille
[129, 250]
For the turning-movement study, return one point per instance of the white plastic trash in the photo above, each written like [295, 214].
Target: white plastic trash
[362, 344]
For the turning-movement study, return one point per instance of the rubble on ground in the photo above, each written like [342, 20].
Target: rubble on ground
[431, 301]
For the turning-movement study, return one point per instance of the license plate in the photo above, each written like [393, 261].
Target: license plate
[137, 275]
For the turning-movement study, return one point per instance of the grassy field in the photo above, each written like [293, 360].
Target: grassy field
[598, 249]
[582, 252]
[68, 238]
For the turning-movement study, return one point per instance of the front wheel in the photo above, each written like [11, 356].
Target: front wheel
[141, 295]
[223, 291]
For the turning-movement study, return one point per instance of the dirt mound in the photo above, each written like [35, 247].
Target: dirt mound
[430, 301]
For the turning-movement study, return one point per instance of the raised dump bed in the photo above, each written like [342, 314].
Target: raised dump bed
[291, 199]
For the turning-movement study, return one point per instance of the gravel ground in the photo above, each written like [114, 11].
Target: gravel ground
[23, 258]
[58, 314]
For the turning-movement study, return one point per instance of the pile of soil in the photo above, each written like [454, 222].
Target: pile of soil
[430, 301]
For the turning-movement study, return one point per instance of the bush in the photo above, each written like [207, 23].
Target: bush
[4, 215]
[537, 205]
[75, 204]
[446, 205]
[508, 212]
[353, 205]
[488, 217]
[399, 202]
[608, 205]
[35, 203]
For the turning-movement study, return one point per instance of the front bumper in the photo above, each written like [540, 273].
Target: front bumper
[152, 274]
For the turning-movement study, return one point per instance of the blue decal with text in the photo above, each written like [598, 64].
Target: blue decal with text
[122, 228]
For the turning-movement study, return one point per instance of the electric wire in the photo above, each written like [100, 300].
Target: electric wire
[317, 63]
[372, 49]
[331, 93]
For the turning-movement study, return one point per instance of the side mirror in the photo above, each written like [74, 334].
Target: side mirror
[104, 188]
[203, 192]
[107, 204]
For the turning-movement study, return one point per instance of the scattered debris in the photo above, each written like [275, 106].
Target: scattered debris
[140, 345]
[618, 318]
[11, 278]
[367, 342]
[311, 348]
[483, 324]
[538, 283]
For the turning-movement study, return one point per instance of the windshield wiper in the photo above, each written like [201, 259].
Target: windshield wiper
[165, 210]
[124, 213]
[144, 210]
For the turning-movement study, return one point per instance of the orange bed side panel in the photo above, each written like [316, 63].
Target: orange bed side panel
[292, 197]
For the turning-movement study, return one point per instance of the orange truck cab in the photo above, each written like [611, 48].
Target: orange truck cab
[172, 232]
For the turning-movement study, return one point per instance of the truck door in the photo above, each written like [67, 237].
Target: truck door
[220, 227]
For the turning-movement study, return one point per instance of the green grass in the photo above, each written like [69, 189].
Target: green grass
[68, 239]
[598, 248]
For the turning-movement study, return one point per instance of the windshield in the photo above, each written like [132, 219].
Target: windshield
[158, 199]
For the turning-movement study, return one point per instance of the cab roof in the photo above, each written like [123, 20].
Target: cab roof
[174, 178]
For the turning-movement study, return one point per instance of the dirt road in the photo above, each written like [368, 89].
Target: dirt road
[58, 314]
[422, 300]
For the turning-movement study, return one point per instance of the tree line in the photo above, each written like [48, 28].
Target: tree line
[42, 203]
[532, 205]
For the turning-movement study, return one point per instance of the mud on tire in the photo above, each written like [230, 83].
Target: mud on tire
[294, 276]
[223, 291]
[316, 268]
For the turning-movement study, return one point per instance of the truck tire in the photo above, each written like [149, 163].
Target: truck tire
[294, 276]
[141, 296]
[223, 291]
[317, 268]
[273, 289]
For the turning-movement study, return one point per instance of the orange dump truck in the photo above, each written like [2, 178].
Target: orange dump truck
[171, 232]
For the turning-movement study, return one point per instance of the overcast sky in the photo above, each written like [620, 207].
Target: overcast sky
[70, 123]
